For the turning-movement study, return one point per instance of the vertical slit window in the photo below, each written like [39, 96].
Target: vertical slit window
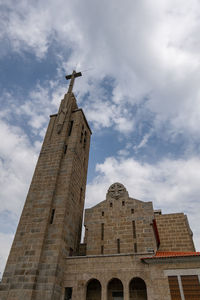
[102, 249]
[134, 229]
[123, 203]
[65, 149]
[110, 204]
[52, 215]
[81, 137]
[132, 210]
[102, 231]
[135, 247]
[71, 251]
[118, 245]
[85, 139]
[70, 128]
[102, 213]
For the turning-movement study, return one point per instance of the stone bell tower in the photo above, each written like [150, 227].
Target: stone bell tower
[50, 225]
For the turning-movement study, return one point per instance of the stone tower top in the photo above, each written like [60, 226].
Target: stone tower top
[116, 191]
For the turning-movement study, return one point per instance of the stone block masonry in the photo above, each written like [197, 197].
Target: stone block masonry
[50, 225]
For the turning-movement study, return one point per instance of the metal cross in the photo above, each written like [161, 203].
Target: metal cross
[72, 77]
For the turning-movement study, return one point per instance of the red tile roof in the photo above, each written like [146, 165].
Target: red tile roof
[168, 254]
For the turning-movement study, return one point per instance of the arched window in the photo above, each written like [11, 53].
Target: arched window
[115, 289]
[137, 289]
[93, 290]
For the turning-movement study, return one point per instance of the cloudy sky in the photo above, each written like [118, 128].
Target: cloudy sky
[140, 91]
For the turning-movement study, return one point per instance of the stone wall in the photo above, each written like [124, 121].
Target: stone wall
[122, 225]
[174, 232]
[79, 271]
[51, 221]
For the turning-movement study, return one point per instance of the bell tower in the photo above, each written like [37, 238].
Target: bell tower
[49, 229]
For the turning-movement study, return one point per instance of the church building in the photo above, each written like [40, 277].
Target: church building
[130, 251]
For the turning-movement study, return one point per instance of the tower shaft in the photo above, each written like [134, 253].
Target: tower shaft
[51, 221]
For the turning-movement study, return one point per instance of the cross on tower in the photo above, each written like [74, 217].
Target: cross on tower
[64, 107]
[72, 77]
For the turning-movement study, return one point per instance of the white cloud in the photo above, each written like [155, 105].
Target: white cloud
[17, 161]
[172, 185]
[18, 158]
[151, 50]
[5, 242]
[143, 142]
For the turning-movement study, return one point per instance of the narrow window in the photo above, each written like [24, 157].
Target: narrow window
[132, 210]
[110, 204]
[123, 203]
[68, 293]
[81, 193]
[85, 139]
[102, 231]
[84, 143]
[52, 215]
[134, 229]
[65, 149]
[70, 128]
[118, 245]
[81, 137]
[102, 213]
[102, 249]
[135, 247]
[71, 251]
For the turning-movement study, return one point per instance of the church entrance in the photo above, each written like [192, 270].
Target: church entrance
[137, 289]
[93, 290]
[115, 290]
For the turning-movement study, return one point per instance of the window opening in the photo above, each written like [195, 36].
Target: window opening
[84, 144]
[81, 137]
[102, 249]
[132, 210]
[118, 245]
[71, 251]
[102, 231]
[134, 229]
[102, 213]
[65, 149]
[52, 215]
[123, 203]
[135, 247]
[70, 128]
[111, 204]
[68, 293]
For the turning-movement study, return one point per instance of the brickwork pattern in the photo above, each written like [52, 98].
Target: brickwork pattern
[127, 227]
[174, 232]
[34, 268]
